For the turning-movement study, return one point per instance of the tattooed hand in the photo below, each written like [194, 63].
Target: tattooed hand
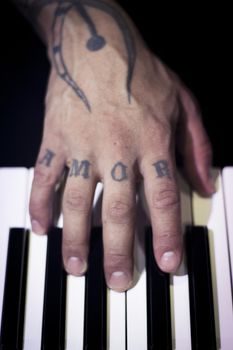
[114, 113]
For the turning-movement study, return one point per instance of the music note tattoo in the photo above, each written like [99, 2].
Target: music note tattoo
[95, 42]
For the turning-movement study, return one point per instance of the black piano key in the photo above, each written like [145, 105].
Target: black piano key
[53, 328]
[158, 302]
[14, 291]
[200, 289]
[95, 296]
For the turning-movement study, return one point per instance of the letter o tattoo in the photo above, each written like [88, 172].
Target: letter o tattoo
[118, 172]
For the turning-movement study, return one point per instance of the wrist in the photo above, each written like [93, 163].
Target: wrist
[84, 26]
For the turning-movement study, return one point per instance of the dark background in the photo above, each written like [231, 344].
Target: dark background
[194, 41]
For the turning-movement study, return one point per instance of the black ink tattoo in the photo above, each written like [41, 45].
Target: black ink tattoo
[162, 169]
[80, 168]
[95, 42]
[47, 159]
[118, 172]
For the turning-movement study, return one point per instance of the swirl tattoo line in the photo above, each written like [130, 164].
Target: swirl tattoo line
[95, 42]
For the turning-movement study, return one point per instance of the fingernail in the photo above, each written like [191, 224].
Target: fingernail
[119, 281]
[169, 261]
[76, 266]
[37, 228]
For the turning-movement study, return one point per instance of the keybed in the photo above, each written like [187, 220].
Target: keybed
[126, 325]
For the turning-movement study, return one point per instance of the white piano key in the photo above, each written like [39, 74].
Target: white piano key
[75, 312]
[179, 284]
[13, 201]
[211, 213]
[228, 196]
[35, 291]
[116, 320]
[75, 301]
[75, 306]
[35, 284]
[136, 300]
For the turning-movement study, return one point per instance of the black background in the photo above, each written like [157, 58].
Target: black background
[193, 40]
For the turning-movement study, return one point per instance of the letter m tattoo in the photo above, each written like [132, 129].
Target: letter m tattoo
[80, 168]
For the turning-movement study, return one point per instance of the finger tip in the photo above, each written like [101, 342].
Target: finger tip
[207, 190]
[76, 266]
[120, 281]
[37, 227]
[170, 261]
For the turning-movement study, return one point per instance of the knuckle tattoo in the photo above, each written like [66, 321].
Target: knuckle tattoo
[162, 169]
[47, 158]
[119, 172]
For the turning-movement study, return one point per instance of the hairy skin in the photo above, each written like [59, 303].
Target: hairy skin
[114, 113]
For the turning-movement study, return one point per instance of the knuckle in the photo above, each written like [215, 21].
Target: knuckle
[34, 208]
[43, 178]
[119, 211]
[74, 244]
[114, 258]
[168, 239]
[166, 198]
[38, 208]
[76, 201]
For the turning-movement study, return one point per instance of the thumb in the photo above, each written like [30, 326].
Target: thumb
[194, 145]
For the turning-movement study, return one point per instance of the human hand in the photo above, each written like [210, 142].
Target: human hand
[114, 113]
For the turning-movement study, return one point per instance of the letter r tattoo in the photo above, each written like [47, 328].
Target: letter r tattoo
[162, 170]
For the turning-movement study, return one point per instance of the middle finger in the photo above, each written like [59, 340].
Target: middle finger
[118, 225]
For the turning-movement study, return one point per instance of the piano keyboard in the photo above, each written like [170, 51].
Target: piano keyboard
[43, 308]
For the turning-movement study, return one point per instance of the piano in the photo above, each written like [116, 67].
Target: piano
[43, 308]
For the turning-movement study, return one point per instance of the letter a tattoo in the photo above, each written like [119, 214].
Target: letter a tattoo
[47, 159]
